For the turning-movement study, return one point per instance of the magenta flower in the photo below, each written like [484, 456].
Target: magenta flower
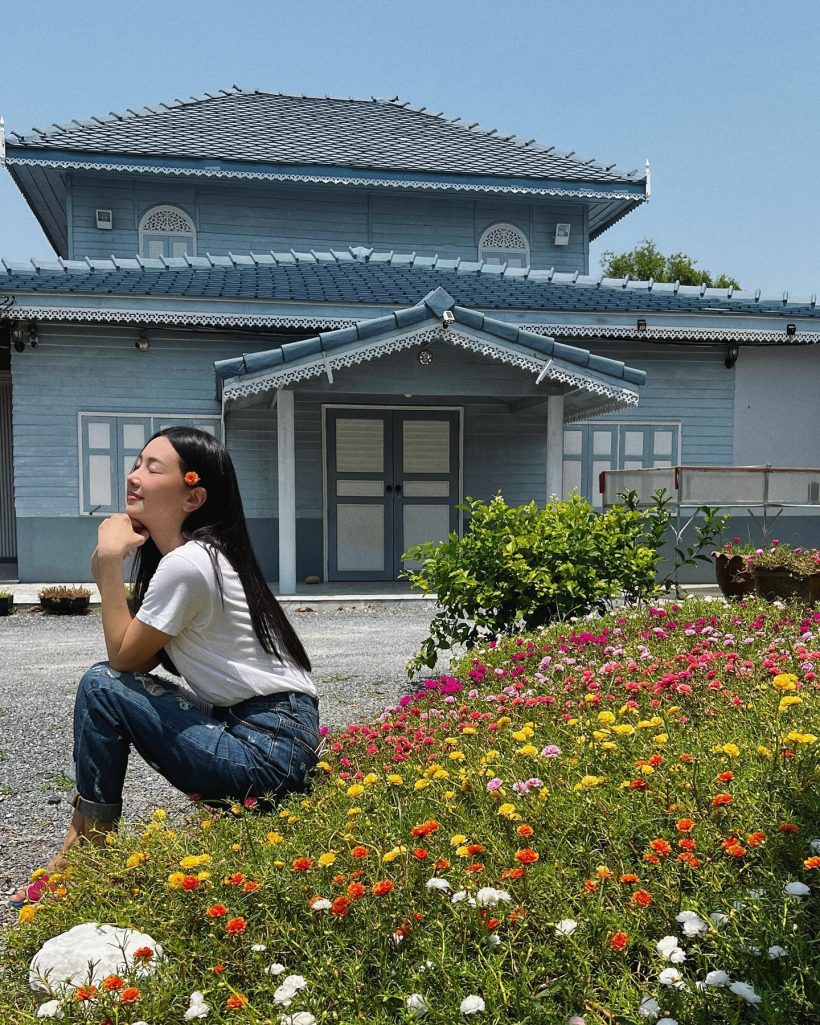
[494, 784]
[551, 751]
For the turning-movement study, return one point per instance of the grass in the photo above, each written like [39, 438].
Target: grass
[585, 822]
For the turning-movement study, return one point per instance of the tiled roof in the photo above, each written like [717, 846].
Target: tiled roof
[273, 128]
[361, 276]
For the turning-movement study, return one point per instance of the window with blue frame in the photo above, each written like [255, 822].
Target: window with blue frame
[109, 446]
[590, 448]
[166, 231]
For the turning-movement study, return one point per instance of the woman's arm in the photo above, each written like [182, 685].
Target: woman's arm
[131, 645]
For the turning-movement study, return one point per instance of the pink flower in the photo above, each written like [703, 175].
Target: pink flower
[494, 784]
[551, 751]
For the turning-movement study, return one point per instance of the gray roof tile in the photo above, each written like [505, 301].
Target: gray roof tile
[273, 128]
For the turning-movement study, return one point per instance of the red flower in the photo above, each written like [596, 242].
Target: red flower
[686, 758]
[130, 995]
[591, 885]
[301, 864]
[442, 864]
[725, 777]
[477, 867]
[493, 923]
[788, 827]
[218, 969]
[619, 941]
[356, 891]
[684, 825]
[425, 828]
[527, 856]
[216, 911]
[251, 886]
[512, 873]
[382, 887]
[756, 839]
[340, 906]
[190, 883]
[236, 926]
[191, 478]
[721, 799]
[525, 830]
[813, 862]
[360, 851]
[236, 879]
[638, 784]
[475, 848]
[85, 993]
[661, 847]
[642, 898]
[236, 1001]
[733, 848]
[651, 859]
[143, 954]
[112, 983]
[687, 844]
[420, 853]
[628, 877]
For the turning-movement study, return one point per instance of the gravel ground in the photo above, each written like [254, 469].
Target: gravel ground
[358, 655]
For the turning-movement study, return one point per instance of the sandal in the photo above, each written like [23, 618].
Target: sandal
[33, 892]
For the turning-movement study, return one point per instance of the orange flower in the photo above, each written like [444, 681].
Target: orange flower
[661, 847]
[689, 859]
[477, 867]
[85, 993]
[475, 848]
[642, 898]
[735, 850]
[725, 777]
[619, 941]
[686, 758]
[381, 888]
[512, 873]
[687, 844]
[360, 851]
[813, 862]
[301, 864]
[218, 969]
[517, 914]
[525, 830]
[191, 478]
[339, 880]
[236, 879]
[527, 856]
[112, 983]
[756, 839]
[788, 827]
[236, 1001]
[721, 799]
[442, 864]
[684, 825]
[493, 923]
[591, 885]
[602, 872]
[425, 828]
[216, 911]
[251, 886]
[651, 859]
[340, 906]
[420, 853]
[143, 954]
[357, 874]
[190, 883]
[130, 995]
[638, 784]
[236, 926]
[356, 891]
[628, 877]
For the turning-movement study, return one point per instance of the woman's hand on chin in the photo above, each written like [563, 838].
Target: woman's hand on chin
[118, 536]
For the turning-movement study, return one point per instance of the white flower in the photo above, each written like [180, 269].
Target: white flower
[197, 1008]
[436, 883]
[667, 1021]
[692, 924]
[472, 1005]
[417, 1005]
[320, 904]
[488, 896]
[566, 927]
[461, 895]
[717, 978]
[50, 1009]
[671, 977]
[796, 889]
[275, 969]
[494, 939]
[718, 918]
[300, 1018]
[669, 949]
[649, 1008]
[815, 845]
[775, 952]
[743, 989]
[257, 948]
[287, 991]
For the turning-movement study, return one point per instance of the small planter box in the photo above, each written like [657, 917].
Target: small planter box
[734, 575]
[774, 584]
[6, 604]
[64, 601]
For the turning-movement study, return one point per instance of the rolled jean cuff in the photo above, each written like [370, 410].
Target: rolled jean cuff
[97, 812]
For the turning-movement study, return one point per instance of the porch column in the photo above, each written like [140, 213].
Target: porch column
[286, 465]
[555, 446]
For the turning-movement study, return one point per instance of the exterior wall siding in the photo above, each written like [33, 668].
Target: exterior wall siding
[246, 218]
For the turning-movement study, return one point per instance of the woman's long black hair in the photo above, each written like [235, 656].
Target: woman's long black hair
[220, 524]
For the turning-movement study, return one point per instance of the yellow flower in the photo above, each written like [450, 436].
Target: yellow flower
[175, 880]
[660, 739]
[420, 784]
[610, 745]
[111, 839]
[606, 718]
[507, 810]
[158, 814]
[763, 752]
[732, 750]
[194, 860]
[326, 859]
[450, 741]
[448, 795]
[293, 819]
[37, 874]
[355, 790]
[395, 853]
[202, 876]
[137, 858]
[236, 809]
[468, 730]
[503, 720]
[353, 811]
[456, 756]
[623, 729]
[800, 738]
[370, 779]
[205, 824]
[236, 846]
[275, 838]
[524, 733]
[324, 766]
[784, 681]
[458, 840]
[788, 701]
[278, 864]
[27, 913]
[528, 750]
[441, 774]
[432, 769]
[588, 781]
[395, 780]
[462, 851]
[489, 756]
[600, 735]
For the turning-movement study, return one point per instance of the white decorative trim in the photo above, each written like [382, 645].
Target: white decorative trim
[506, 238]
[328, 179]
[284, 376]
[148, 316]
[686, 334]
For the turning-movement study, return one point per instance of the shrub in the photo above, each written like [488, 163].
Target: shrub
[519, 568]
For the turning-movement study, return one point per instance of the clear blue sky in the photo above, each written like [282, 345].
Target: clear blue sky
[722, 96]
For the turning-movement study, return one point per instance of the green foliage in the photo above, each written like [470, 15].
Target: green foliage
[647, 261]
[521, 568]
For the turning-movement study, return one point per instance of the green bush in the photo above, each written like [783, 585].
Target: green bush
[519, 568]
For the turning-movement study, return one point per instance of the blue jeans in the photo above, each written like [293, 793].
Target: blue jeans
[263, 747]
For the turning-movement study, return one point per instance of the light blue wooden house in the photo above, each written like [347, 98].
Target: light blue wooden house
[380, 309]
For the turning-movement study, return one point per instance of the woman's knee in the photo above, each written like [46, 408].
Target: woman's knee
[95, 675]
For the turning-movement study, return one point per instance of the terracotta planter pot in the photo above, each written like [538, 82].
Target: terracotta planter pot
[772, 584]
[734, 575]
[64, 606]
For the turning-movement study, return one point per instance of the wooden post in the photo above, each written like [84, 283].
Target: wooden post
[555, 446]
[286, 463]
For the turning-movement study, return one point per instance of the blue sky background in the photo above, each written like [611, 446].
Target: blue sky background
[721, 96]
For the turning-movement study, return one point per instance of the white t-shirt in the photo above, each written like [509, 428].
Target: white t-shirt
[214, 646]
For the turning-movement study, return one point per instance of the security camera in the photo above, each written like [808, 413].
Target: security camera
[142, 342]
[447, 318]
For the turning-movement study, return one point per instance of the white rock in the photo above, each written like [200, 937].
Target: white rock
[62, 962]
[796, 890]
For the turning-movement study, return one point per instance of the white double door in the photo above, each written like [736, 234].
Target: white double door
[392, 482]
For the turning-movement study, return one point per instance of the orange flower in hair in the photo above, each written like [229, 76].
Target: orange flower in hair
[191, 478]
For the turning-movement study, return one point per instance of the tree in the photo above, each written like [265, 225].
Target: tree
[647, 261]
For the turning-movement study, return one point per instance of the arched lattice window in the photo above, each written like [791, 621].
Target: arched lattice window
[504, 243]
[167, 231]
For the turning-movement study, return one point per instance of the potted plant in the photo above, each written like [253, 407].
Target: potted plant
[785, 572]
[733, 569]
[61, 599]
[6, 603]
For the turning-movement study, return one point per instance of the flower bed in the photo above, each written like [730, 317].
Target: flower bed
[617, 820]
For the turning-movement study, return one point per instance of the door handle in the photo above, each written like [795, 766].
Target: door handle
[388, 487]
[398, 489]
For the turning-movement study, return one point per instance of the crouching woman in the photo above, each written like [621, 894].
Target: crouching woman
[249, 726]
